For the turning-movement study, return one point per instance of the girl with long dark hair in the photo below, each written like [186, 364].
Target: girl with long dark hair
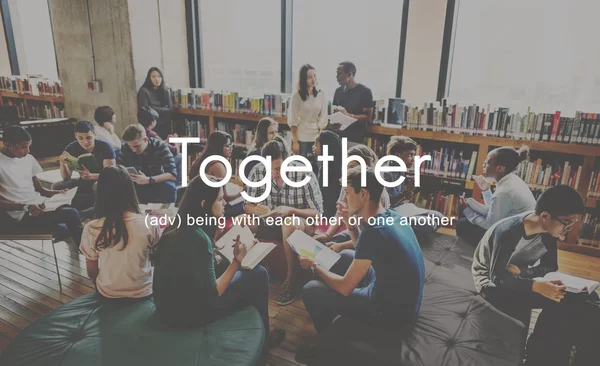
[219, 143]
[266, 130]
[307, 115]
[155, 94]
[117, 243]
[332, 191]
[188, 291]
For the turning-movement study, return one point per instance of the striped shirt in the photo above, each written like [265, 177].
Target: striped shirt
[156, 159]
[307, 196]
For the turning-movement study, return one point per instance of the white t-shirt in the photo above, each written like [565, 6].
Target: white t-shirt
[103, 135]
[310, 115]
[16, 184]
[124, 272]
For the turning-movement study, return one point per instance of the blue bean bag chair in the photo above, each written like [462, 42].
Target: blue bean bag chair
[95, 331]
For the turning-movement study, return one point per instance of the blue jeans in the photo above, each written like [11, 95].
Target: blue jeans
[247, 288]
[164, 192]
[62, 222]
[324, 304]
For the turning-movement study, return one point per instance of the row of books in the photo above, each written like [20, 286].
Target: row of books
[225, 101]
[447, 204]
[196, 129]
[540, 176]
[449, 162]
[37, 111]
[590, 230]
[31, 85]
[242, 134]
[594, 185]
[584, 128]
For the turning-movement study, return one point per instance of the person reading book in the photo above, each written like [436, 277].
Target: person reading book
[266, 130]
[22, 196]
[117, 243]
[154, 93]
[308, 111]
[511, 197]
[88, 156]
[106, 118]
[517, 250]
[189, 289]
[340, 241]
[381, 282]
[148, 118]
[354, 100]
[284, 201]
[153, 160]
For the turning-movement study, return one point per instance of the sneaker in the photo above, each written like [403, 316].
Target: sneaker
[306, 354]
[287, 295]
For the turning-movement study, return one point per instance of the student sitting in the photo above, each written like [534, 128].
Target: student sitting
[266, 130]
[284, 201]
[512, 195]
[153, 160]
[334, 186]
[187, 290]
[117, 243]
[22, 195]
[106, 118]
[382, 282]
[86, 143]
[505, 271]
[342, 241]
[147, 117]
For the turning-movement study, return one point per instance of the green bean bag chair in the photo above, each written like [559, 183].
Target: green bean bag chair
[93, 331]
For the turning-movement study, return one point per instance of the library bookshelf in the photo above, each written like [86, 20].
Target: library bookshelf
[32, 107]
[484, 145]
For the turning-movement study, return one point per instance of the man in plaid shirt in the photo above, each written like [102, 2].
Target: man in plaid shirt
[284, 201]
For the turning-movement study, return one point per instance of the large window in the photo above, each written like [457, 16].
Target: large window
[327, 32]
[33, 37]
[538, 53]
[241, 43]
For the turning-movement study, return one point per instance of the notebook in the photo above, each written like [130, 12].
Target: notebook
[54, 202]
[574, 284]
[306, 246]
[256, 252]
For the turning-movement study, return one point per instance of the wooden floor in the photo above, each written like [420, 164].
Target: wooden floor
[29, 289]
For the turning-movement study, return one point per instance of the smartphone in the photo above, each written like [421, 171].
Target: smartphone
[132, 170]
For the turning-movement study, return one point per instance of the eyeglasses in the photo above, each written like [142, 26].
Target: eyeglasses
[568, 224]
[229, 146]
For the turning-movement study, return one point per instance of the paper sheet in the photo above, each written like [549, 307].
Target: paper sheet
[344, 120]
[306, 246]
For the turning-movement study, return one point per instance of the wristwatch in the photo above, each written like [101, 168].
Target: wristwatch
[151, 179]
[312, 268]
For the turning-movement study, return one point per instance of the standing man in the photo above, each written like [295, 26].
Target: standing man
[353, 99]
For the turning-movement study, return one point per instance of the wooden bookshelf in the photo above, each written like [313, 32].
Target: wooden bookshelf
[8, 97]
[484, 144]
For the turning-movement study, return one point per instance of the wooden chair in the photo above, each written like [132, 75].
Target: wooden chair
[37, 237]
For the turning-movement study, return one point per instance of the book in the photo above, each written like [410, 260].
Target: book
[574, 284]
[306, 246]
[52, 176]
[88, 160]
[341, 118]
[256, 251]
[54, 202]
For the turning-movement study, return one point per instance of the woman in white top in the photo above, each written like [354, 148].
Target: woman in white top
[511, 197]
[106, 118]
[308, 111]
[117, 243]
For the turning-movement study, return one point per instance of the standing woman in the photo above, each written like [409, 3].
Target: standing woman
[266, 130]
[511, 197]
[308, 111]
[154, 93]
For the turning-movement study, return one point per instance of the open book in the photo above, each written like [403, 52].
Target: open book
[54, 202]
[574, 284]
[306, 246]
[84, 159]
[256, 252]
[341, 118]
